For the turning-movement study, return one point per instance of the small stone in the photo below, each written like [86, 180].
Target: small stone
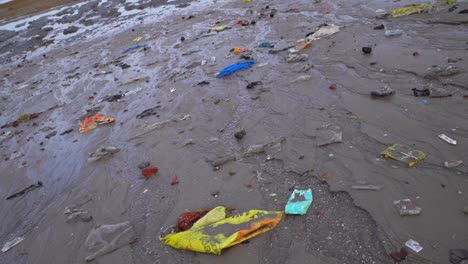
[70, 30]
[366, 50]
[239, 135]
[301, 157]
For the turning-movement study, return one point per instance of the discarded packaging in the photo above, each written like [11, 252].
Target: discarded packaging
[219, 28]
[447, 139]
[73, 214]
[214, 232]
[253, 84]
[456, 256]
[367, 187]
[148, 112]
[255, 149]
[324, 32]
[380, 13]
[391, 33]
[419, 93]
[132, 48]
[411, 9]
[329, 134]
[304, 45]
[399, 256]
[25, 190]
[297, 57]
[174, 180]
[90, 123]
[406, 207]
[266, 44]
[239, 66]
[299, 202]
[404, 154]
[8, 245]
[443, 72]
[149, 171]
[102, 152]
[453, 163]
[104, 239]
[238, 50]
[413, 245]
[302, 78]
[187, 219]
[158, 125]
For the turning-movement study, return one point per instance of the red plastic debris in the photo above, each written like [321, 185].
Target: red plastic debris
[465, 96]
[322, 108]
[320, 214]
[250, 184]
[149, 171]
[399, 256]
[174, 180]
[333, 86]
[187, 219]
[415, 53]
[325, 11]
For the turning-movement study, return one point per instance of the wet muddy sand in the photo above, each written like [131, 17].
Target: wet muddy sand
[198, 115]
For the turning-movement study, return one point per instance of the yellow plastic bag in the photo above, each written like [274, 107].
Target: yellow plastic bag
[404, 154]
[410, 9]
[214, 232]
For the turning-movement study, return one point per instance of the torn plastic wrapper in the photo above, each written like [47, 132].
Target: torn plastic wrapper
[214, 232]
[324, 31]
[328, 135]
[410, 9]
[8, 245]
[404, 154]
[447, 139]
[407, 207]
[299, 202]
[414, 245]
[90, 123]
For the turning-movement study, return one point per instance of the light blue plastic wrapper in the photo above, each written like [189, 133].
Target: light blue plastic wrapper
[299, 202]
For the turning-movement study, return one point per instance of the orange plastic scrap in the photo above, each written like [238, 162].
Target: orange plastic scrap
[238, 50]
[90, 123]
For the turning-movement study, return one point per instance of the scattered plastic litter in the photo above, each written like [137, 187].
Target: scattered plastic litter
[219, 28]
[423, 92]
[239, 66]
[449, 2]
[413, 245]
[251, 85]
[447, 139]
[137, 39]
[8, 245]
[399, 256]
[324, 32]
[255, 149]
[297, 57]
[73, 214]
[368, 187]
[214, 232]
[366, 50]
[391, 33]
[329, 134]
[436, 73]
[302, 46]
[302, 78]
[148, 112]
[149, 171]
[174, 180]
[456, 256]
[187, 219]
[411, 9]
[238, 50]
[90, 123]
[102, 152]
[453, 163]
[25, 190]
[105, 239]
[332, 86]
[132, 48]
[380, 13]
[379, 27]
[425, 102]
[404, 154]
[299, 202]
[159, 125]
[266, 44]
[406, 207]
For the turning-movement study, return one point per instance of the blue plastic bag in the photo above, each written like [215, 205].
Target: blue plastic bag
[299, 202]
[131, 48]
[230, 69]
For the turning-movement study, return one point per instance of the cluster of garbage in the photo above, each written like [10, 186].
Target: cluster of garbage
[210, 230]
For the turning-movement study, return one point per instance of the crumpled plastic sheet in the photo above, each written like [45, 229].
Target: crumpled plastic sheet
[214, 232]
[102, 152]
[324, 32]
[404, 154]
[105, 239]
[90, 123]
[411, 9]
[239, 66]
[299, 202]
